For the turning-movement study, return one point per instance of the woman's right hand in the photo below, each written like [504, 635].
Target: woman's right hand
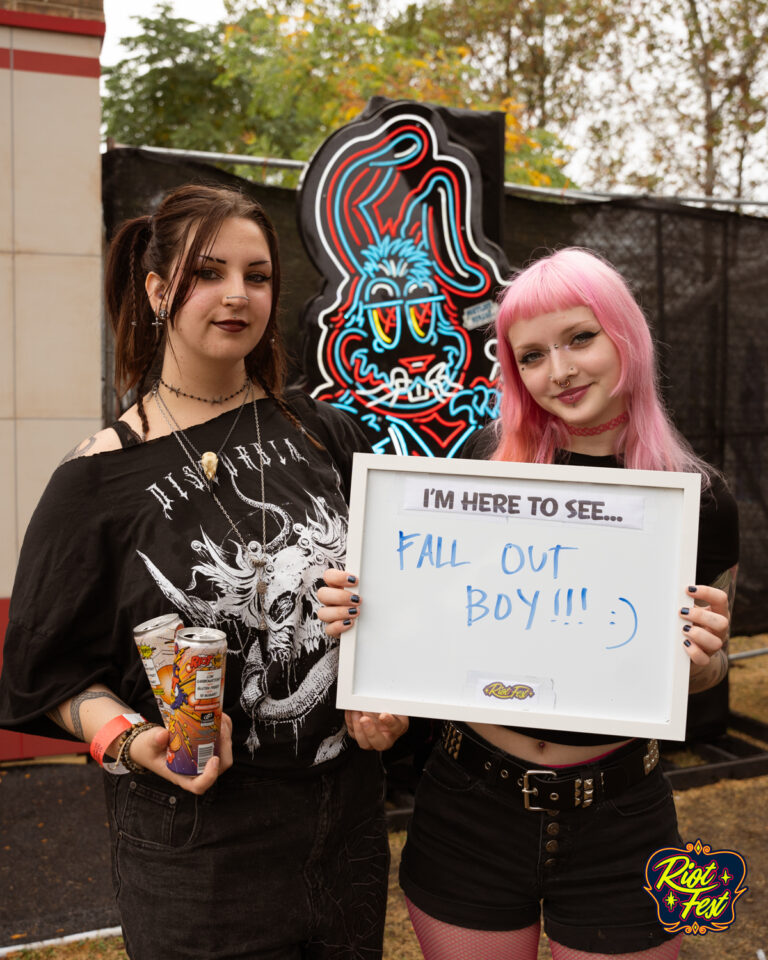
[150, 747]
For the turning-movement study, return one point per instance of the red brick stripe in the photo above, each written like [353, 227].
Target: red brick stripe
[42, 21]
[58, 63]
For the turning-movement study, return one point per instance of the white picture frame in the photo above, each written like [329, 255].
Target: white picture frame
[528, 595]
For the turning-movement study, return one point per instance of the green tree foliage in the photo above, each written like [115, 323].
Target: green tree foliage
[312, 66]
[167, 94]
[534, 51]
[278, 77]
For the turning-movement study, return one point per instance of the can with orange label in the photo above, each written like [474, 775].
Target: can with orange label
[155, 642]
[197, 688]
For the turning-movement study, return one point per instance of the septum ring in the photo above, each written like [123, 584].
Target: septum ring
[238, 296]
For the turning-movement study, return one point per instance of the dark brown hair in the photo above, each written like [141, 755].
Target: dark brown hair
[156, 244]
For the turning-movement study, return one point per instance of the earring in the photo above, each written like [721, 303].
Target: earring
[160, 317]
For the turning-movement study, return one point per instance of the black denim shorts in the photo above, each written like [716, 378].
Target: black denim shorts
[264, 869]
[477, 859]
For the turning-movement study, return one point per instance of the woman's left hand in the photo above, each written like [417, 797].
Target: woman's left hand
[706, 625]
[375, 731]
[340, 601]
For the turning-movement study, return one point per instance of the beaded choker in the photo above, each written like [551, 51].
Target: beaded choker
[601, 428]
[216, 400]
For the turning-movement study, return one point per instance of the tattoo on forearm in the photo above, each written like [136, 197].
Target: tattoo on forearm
[80, 450]
[79, 700]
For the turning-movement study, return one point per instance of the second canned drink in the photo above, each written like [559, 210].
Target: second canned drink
[198, 689]
[155, 642]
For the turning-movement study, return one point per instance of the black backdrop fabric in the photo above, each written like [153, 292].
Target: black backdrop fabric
[700, 276]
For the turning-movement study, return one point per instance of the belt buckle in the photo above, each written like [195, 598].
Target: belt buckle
[528, 791]
[651, 758]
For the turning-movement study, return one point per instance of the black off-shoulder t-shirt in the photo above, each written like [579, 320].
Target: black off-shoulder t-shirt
[127, 535]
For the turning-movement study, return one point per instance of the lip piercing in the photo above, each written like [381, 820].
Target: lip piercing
[238, 296]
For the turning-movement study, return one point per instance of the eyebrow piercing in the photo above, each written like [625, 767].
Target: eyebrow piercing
[238, 296]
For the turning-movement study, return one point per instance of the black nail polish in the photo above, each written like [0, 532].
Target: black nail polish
[687, 627]
[352, 610]
[686, 643]
[351, 579]
[685, 611]
[355, 599]
[691, 589]
[347, 623]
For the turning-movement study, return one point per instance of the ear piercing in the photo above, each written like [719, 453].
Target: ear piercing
[160, 317]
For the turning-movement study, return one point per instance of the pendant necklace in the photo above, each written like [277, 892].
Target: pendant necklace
[209, 461]
[257, 561]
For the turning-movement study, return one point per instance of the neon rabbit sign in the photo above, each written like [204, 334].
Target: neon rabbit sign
[389, 212]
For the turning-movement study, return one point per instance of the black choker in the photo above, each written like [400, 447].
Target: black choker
[216, 400]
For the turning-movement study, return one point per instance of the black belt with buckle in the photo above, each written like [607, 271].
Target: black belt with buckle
[541, 789]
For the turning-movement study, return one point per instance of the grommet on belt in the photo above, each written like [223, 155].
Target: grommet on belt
[551, 846]
[553, 829]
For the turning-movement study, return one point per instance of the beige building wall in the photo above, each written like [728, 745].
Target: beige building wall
[50, 250]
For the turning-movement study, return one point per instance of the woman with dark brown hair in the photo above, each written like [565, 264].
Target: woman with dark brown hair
[222, 498]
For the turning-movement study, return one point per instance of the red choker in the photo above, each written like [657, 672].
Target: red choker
[602, 428]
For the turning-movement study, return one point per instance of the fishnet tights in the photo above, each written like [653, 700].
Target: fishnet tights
[444, 941]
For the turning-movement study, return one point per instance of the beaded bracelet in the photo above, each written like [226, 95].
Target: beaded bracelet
[123, 754]
[110, 731]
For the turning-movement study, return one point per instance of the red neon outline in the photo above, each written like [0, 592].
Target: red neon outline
[435, 417]
[351, 216]
[52, 24]
[361, 153]
[59, 64]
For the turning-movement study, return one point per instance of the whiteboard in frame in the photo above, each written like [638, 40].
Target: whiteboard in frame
[506, 609]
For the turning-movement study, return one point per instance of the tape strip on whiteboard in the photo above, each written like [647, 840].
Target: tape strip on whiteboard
[571, 503]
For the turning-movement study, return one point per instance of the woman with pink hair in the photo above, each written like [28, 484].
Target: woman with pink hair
[483, 863]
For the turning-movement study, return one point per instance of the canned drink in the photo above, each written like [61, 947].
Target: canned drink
[154, 640]
[198, 689]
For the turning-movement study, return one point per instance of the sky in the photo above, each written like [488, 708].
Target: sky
[118, 14]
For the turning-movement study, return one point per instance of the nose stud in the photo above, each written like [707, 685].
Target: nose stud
[238, 296]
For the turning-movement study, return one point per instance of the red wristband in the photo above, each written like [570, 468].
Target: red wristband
[110, 731]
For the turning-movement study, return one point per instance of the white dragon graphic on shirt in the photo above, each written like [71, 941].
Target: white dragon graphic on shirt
[297, 556]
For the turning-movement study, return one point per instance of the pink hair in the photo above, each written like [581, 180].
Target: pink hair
[573, 278]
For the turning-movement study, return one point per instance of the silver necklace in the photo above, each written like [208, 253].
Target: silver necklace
[209, 461]
[258, 562]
